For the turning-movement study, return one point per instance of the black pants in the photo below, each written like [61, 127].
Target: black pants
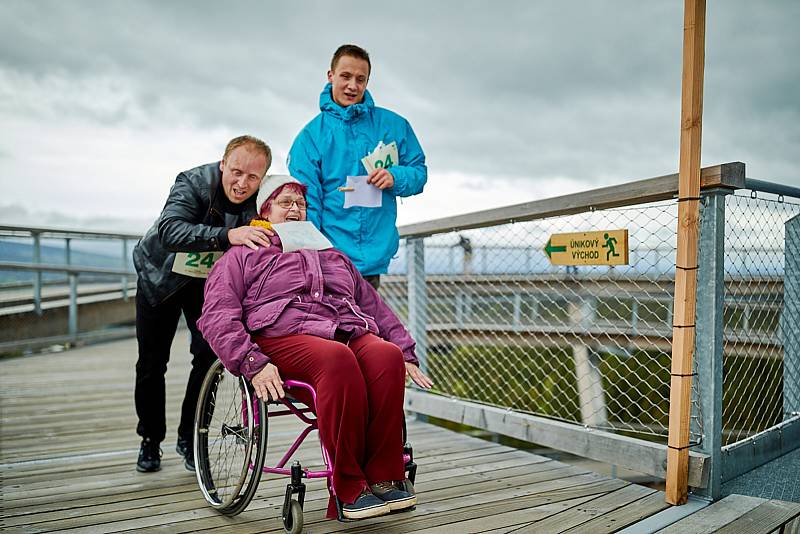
[374, 280]
[155, 330]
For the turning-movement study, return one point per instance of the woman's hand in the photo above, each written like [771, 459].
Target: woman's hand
[268, 383]
[418, 376]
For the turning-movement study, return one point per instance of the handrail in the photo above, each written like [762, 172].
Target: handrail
[727, 175]
[14, 230]
[69, 269]
[770, 187]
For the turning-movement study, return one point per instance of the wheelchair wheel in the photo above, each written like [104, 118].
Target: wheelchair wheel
[230, 434]
[293, 520]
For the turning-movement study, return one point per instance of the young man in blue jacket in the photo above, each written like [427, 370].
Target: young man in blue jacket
[329, 149]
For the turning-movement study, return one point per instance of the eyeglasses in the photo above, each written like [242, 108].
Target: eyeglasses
[286, 203]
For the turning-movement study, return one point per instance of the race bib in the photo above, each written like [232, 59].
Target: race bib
[383, 157]
[195, 264]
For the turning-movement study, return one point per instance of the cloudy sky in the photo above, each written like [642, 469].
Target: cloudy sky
[102, 103]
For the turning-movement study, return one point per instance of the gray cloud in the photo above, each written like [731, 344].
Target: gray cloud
[583, 90]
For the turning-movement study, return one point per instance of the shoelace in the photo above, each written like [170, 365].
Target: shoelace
[151, 450]
[383, 487]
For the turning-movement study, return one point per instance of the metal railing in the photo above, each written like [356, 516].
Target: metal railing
[579, 357]
[61, 241]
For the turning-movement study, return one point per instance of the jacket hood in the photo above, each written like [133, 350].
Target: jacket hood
[328, 105]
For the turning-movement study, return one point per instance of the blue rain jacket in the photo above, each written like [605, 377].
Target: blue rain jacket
[329, 149]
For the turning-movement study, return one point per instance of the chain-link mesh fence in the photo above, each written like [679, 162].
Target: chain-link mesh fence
[589, 344]
[760, 341]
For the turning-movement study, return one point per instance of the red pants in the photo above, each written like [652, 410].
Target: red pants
[360, 388]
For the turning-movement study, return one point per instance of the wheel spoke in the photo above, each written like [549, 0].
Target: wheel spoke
[229, 434]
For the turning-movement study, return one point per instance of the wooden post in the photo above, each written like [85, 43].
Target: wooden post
[683, 329]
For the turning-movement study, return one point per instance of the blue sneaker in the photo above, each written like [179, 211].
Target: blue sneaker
[396, 498]
[366, 505]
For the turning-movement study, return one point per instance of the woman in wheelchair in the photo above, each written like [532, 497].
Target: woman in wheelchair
[308, 315]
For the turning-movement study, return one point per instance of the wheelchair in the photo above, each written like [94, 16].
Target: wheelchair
[230, 446]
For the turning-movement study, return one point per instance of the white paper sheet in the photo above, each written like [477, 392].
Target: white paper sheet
[301, 234]
[363, 194]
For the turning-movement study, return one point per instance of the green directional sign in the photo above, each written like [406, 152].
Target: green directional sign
[603, 247]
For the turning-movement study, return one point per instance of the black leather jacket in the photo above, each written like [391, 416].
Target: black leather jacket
[195, 218]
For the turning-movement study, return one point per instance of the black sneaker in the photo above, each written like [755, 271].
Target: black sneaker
[149, 456]
[184, 448]
[366, 505]
[396, 498]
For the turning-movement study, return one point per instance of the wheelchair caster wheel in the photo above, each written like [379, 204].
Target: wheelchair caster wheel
[293, 520]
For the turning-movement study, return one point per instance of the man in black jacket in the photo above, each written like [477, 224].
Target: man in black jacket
[208, 210]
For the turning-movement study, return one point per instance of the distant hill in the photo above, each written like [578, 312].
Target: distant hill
[55, 255]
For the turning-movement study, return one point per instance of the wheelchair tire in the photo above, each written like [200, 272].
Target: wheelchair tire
[293, 522]
[230, 436]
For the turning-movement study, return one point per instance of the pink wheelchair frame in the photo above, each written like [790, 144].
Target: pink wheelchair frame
[297, 472]
[252, 432]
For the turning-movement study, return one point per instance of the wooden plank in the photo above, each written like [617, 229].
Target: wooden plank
[623, 517]
[473, 511]
[437, 503]
[65, 499]
[638, 455]
[715, 516]
[763, 519]
[110, 512]
[587, 511]
[729, 175]
[686, 254]
[505, 518]
[173, 515]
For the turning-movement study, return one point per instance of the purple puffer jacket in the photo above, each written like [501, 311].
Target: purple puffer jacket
[273, 294]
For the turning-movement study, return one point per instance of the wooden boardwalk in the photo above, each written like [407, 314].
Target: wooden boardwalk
[68, 447]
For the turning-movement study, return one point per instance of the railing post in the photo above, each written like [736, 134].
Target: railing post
[790, 319]
[588, 377]
[68, 253]
[516, 321]
[37, 278]
[418, 298]
[124, 267]
[73, 306]
[709, 339]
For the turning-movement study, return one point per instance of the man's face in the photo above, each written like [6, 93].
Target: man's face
[242, 173]
[349, 80]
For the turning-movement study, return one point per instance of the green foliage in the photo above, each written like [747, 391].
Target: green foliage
[541, 380]
[637, 387]
[752, 397]
[538, 380]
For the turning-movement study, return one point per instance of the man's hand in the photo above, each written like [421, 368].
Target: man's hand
[251, 236]
[381, 178]
[268, 383]
[418, 376]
